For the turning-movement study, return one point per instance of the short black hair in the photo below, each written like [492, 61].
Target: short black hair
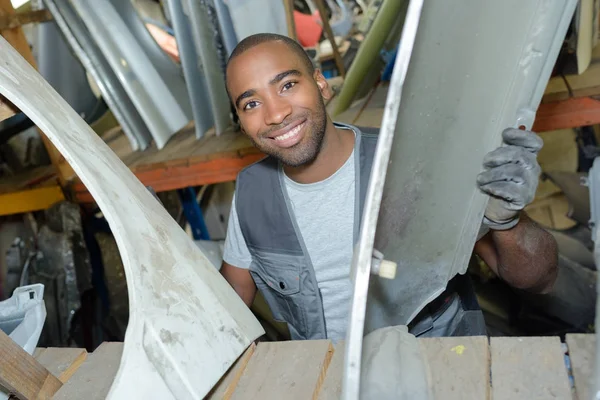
[260, 38]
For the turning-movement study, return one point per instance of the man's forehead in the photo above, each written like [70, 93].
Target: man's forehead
[264, 61]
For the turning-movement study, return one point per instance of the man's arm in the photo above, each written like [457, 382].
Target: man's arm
[241, 281]
[525, 257]
[515, 248]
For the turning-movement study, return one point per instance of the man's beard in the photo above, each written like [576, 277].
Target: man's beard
[307, 150]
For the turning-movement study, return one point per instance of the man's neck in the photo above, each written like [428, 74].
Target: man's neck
[336, 148]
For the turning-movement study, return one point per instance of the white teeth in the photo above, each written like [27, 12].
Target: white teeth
[291, 133]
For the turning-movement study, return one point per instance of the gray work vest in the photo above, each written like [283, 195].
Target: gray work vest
[281, 266]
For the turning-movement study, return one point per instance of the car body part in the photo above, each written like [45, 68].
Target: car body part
[92, 59]
[170, 72]
[192, 68]
[22, 318]
[187, 325]
[208, 46]
[151, 95]
[423, 209]
[364, 251]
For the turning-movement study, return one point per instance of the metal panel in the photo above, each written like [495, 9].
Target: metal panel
[64, 72]
[142, 82]
[230, 39]
[453, 115]
[192, 69]
[257, 16]
[187, 325]
[86, 51]
[455, 105]
[207, 43]
[170, 72]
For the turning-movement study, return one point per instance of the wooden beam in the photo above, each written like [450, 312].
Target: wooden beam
[571, 113]
[289, 17]
[329, 33]
[18, 19]
[30, 200]
[22, 375]
[16, 38]
[184, 172]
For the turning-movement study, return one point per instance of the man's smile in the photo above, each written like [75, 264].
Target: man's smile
[289, 135]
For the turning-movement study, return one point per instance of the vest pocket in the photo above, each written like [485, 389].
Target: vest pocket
[281, 289]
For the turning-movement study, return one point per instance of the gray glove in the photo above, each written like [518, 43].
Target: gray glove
[510, 178]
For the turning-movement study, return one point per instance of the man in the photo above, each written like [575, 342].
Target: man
[292, 225]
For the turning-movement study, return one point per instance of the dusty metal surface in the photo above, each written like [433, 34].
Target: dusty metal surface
[450, 116]
[90, 56]
[146, 88]
[192, 68]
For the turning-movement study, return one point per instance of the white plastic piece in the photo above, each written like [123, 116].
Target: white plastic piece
[22, 318]
[186, 324]
[387, 269]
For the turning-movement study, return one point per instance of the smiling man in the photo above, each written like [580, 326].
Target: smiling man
[294, 219]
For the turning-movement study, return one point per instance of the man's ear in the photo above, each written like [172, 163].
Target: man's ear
[323, 85]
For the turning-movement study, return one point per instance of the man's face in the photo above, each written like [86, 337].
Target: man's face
[279, 102]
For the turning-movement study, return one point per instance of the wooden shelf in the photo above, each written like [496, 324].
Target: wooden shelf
[184, 161]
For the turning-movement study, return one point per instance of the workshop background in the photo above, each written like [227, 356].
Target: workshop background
[188, 153]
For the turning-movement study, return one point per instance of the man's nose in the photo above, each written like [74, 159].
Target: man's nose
[277, 111]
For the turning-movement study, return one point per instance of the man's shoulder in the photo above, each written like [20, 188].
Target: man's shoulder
[366, 132]
[267, 164]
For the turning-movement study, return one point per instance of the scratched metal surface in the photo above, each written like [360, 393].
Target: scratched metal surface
[477, 68]
[187, 325]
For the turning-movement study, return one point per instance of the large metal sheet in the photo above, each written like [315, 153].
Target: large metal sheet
[209, 46]
[170, 72]
[230, 39]
[64, 72]
[90, 56]
[455, 106]
[148, 91]
[187, 326]
[192, 68]
[257, 16]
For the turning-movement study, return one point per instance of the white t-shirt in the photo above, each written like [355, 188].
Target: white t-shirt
[325, 215]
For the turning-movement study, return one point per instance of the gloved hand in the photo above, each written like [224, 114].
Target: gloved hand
[510, 177]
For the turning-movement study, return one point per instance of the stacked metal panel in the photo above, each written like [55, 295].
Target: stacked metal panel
[151, 95]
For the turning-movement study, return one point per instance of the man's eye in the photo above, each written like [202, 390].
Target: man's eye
[289, 85]
[250, 105]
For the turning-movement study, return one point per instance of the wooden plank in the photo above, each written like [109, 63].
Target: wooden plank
[226, 386]
[30, 200]
[285, 370]
[332, 384]
[459, 367]
[22, 375]
[19, 19]
[94, 377]
[528, 368]
[582, 349]
[569, 113]
[38, 352]
[62, 362]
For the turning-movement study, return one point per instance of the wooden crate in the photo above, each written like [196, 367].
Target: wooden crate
[459, 368]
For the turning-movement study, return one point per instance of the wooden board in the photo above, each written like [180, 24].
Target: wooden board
[469, 360]
[291, 370]
[528, 368]
[582, 349]
[22, 375]
[93, 379]
[226, 386]
[332, 385]
[62, 362]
